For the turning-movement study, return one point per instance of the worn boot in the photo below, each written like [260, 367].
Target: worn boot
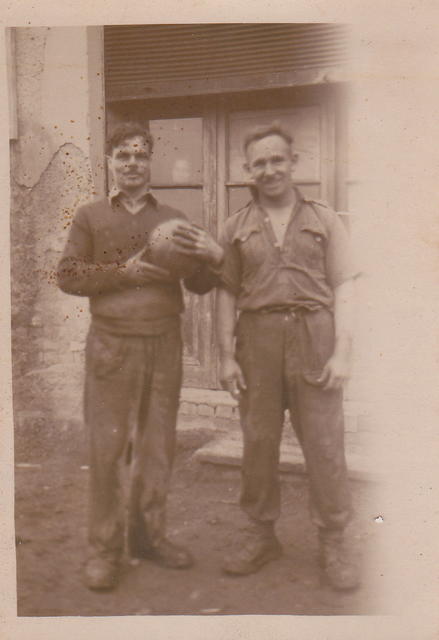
[166, 554]
[340, 570]
[101, 572]
[261, 547]
[157, 548]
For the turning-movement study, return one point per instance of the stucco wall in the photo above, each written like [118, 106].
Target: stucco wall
[50, 177]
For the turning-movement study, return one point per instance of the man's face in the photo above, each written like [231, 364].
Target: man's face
[270, 163]
[130, 164]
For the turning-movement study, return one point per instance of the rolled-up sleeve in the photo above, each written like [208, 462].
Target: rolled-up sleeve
[340, 264]
[231, 272]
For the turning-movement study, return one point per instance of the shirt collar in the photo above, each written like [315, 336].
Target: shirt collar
[145, 195]
[299, 196]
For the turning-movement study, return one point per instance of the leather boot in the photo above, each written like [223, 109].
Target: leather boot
[260, 547]
[340, 570]
[101, 572]
[164, 553]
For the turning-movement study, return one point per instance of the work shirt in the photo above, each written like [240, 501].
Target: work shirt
[313, 260]
[103, 235]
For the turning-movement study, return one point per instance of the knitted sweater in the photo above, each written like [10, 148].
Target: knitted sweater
[102, 237]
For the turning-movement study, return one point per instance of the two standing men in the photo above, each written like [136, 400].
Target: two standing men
[284, 264]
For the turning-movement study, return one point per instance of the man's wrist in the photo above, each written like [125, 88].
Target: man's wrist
[226, 354]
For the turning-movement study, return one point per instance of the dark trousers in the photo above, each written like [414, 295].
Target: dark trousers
[131, 401]
[281, 355]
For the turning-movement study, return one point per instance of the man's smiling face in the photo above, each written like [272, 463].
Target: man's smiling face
[270, 163]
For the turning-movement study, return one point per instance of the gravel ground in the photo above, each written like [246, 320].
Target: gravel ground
[51, 496]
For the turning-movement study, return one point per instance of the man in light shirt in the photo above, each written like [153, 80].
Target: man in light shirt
[288, 271]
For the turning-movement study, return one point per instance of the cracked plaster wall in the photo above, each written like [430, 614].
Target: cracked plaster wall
[50, 177]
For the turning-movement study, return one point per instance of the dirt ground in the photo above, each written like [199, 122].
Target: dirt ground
[51, 495]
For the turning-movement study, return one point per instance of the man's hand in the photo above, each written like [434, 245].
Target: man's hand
[231, 377]
[192, 240]
[138, 272]
[335, 372]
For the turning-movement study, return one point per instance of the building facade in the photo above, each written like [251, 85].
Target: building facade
[199, 89]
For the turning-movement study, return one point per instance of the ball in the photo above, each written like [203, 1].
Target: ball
[165, 253]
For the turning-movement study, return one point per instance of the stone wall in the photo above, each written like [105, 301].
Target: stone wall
[50, 177]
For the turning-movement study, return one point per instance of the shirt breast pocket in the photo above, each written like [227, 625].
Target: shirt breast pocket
[251, 247]
[310, 246]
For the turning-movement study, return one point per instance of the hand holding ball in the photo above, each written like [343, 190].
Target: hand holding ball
[171, 247]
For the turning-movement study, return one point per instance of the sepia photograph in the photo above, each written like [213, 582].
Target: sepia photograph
[190, 417]
[208, 323]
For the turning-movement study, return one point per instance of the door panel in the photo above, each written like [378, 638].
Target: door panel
[181, 177]
[178, 151]
[189, 201]
[303, 122]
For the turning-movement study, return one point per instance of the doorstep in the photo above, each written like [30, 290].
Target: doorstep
[210, 403]
[215, 403]
[227, 452]
[214, 412]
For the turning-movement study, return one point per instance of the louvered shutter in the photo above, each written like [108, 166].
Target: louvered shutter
[157, 60]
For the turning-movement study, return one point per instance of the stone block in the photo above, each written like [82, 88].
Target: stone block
[188, 408]
[224, 411]
[76, 346]
[213, 397]
[205, 410]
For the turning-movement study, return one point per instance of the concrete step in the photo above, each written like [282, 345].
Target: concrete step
[228, 452]
[214, 403]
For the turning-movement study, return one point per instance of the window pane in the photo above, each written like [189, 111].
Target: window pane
[240, 196]
[189, 201]
[178, 151]
[302, 122]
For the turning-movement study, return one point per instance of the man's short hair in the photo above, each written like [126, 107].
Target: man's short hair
[273, 129]
[127, 130]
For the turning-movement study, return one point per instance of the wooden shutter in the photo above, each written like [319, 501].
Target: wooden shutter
[143, 61]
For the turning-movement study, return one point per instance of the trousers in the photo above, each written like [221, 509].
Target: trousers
[281, 355]
[132, 392]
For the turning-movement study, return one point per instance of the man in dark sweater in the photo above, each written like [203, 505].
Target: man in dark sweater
[133, 356]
